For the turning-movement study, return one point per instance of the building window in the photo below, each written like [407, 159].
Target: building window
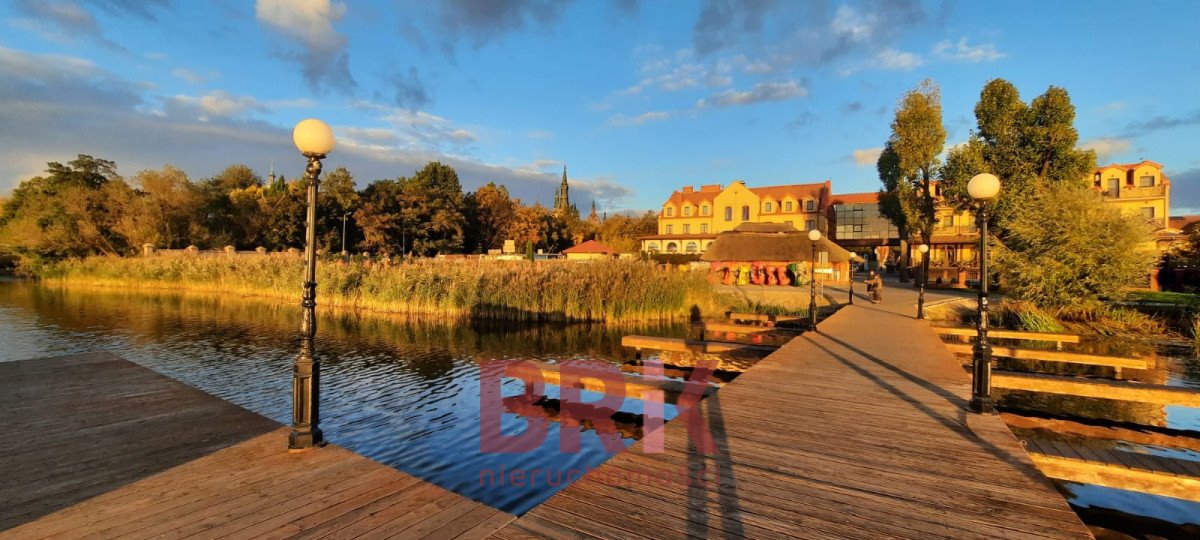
[687, 211]
[745, 213]
[1148, 212]
[728, 213]
[687, 229]
[1114, 187]
[768, 207]
[704, 210]
[670, 229]
[810, 205]
[858, 228]
[670, 212]
[1146, 181]
[703, 228]
[672, 247]
[691, 247]
[652, 247]
[787, 206]
[810, 225]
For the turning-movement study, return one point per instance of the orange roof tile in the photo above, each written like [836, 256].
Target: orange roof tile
[797, 191]
[853, 198]
[591, 246]
[1128, 166]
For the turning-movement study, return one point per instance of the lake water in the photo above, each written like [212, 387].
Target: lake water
[405, 394]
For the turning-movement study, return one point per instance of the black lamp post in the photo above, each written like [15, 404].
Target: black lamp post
[315, 140]
[813, 235]
[851, 298]
[982, 188]
[344, 216]
[924, 249]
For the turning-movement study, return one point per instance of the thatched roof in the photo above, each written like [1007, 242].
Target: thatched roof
[771, 242]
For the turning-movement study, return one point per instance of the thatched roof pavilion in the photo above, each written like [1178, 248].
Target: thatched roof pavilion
[771, 242]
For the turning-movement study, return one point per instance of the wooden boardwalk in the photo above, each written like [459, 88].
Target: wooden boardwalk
[97, 446]
[857, 431]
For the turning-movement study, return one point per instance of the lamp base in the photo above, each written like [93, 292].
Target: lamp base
[982, 405]
[300, 441]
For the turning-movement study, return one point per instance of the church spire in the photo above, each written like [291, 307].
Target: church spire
[592, 217]
[562, 198]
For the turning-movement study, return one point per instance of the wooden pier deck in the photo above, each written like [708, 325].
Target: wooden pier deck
[857, 431]
[97, 446]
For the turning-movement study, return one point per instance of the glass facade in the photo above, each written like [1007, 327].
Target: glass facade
[862, 221]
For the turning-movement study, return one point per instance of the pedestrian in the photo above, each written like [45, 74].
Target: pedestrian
[875, 287]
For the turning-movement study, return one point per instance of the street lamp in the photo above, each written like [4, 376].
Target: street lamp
[982, 188]
[344, 216]
[924, 249]
[314, 139]
[851, 298]
[813, 236]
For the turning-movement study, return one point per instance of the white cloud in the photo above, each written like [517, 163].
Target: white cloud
[1106, 147]
[192, 77]
[895, 59]
[962, 52]
[310, 24]
[220, 103]
[652, 116]
[761, 92]
[852, 25]
[866, 156]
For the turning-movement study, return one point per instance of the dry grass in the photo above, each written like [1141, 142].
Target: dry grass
[607, 291]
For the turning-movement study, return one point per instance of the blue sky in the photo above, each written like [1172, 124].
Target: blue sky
[636, 98]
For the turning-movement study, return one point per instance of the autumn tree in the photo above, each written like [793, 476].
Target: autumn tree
[909, 163]
[379, 217]
[490, 212]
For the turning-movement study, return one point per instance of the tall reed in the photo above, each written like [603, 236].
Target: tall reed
[608, 291]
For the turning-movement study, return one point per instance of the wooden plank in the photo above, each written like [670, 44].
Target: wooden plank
[1097, 388]
[1101, 432]
[153, 457]
[690, 345]
[749, 329]
[1008, 334]
[764, 318]
[1057, 356]
[1118, 477]
[634, 386]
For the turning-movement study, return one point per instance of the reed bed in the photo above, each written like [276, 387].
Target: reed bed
[597, 291]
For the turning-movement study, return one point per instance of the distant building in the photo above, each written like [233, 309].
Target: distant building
[1137, 189]
[562, 197]
[593, 218]
[691, 218]
[590, 250]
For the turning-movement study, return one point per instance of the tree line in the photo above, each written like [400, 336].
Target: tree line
[84, 207]
[1057, 243]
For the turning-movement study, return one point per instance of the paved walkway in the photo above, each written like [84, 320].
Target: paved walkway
[859, 430]
[100, 447]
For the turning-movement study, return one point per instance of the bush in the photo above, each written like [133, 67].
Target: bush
[1068, 249]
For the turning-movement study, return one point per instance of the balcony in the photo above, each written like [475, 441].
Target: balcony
[1136, 192]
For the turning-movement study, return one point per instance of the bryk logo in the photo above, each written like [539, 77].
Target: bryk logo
[573, 377]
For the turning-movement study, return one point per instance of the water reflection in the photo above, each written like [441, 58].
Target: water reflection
[401, 392]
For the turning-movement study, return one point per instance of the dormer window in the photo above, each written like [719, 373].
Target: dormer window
[1146, 181]
[768, 207]
[787, 206]
[810, 205]
[670, 212]
[687, 211]
[704, 210]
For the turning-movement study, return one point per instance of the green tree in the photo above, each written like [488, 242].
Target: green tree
[172, 200]
[1059, 263]
[282, 215]
[68, 212]
[909, 162]
[338, 198]
[379, 217]
[432, 210]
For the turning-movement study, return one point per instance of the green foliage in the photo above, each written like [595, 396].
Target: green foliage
[611, 291]
[1025, 317]
[1028, 146]
[909, 162]
[1086, 253]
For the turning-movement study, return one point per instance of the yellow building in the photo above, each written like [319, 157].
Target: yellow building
[692, 217]
[1137, 189]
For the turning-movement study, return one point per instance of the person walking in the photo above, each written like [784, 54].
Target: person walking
[875, 287]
